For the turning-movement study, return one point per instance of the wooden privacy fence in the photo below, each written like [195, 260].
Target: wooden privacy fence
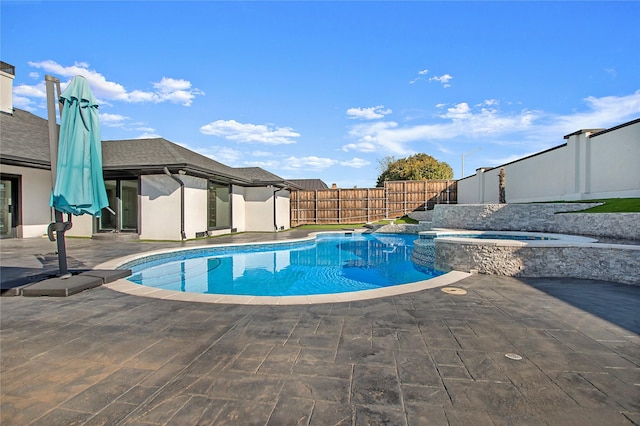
[359, 205]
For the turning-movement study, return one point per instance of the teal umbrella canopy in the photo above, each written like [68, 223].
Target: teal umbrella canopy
[79, 186]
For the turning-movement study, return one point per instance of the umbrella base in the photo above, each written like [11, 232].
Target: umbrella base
[63, 287]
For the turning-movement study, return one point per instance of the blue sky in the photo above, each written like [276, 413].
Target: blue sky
[327, 89]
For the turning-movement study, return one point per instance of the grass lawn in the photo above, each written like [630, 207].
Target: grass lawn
[401, 220]
[613, 205]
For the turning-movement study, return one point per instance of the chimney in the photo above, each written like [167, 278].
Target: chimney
[7, 74]
[334, 186]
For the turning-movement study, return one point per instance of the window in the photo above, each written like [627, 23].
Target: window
[219, 206]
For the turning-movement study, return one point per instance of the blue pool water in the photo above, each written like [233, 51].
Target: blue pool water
[332, 263]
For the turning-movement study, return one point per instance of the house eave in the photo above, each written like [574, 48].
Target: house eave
[25, 162]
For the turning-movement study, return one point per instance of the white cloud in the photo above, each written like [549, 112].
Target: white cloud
[421, 75]
[114, 120]
[225, 155]
[38, 91]
[444, 79]
[489, 102]
[487, 122]
[166, 90]
[362, 147]
[267, 165]
[458, 112]
[355, 162]
[148, 135]
[601, 112]
[250, 133]
[262, 154]
[370, 113]
[311, 162]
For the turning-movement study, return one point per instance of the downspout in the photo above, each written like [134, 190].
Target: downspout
[275, 223]
[183, 235]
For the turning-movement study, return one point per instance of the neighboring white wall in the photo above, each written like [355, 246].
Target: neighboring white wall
[614, 163]
[34, 199]
[159, 208]
[587, 167]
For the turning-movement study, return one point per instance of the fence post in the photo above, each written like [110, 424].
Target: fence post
[404, 198]
[315, 207]
[339, 206]
[386, 201]
[368, 204]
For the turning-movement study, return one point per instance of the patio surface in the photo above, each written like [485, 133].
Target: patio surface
[105, 357]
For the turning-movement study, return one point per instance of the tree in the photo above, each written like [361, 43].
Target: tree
[415, 167]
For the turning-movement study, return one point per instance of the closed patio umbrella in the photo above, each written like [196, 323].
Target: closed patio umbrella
[79, 186]
[76, 159]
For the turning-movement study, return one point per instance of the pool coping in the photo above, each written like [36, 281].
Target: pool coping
[125, 286]
[551, 239]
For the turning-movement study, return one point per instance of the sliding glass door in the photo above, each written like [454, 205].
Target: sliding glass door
[123, 200]
[9, 206]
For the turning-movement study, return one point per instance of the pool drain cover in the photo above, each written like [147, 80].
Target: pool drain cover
[515, 357]
[454, 290]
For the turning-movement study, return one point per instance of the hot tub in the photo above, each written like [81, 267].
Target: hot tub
[527, 254]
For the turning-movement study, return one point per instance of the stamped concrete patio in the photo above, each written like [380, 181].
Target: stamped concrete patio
[103, 357]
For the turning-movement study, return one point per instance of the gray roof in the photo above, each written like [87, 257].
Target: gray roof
[24, 140]
[256, 173]
[152, 155]
[309, 184]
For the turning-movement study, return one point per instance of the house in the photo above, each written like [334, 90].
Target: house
[309, 184]
[156, 188]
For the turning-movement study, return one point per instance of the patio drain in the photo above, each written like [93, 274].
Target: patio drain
[454, 290]
[514, 357]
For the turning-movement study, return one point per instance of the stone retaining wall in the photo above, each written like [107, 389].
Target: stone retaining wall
[402, 228]
[537, 218]
[609, 262]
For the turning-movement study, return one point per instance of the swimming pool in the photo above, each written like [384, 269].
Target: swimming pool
[330, 263]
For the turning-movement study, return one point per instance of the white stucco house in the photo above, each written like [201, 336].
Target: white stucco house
[158, 190]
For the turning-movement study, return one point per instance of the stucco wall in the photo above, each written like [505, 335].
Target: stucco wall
[283, 211]
[258, 204]
[195, 207]
[614, 162]
[159, 208]
[238, 213]
[82, 225]
[259, 209]
[6, 92]
[34, 198]
[589, 166]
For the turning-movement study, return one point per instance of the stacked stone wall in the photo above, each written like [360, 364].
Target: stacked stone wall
[617, 263]
[546, 217]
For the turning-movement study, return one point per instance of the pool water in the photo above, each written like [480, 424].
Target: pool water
[332, 263]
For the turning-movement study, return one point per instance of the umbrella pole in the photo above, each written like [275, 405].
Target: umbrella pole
[59, 226]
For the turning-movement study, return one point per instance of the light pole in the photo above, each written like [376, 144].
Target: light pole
[467, 153]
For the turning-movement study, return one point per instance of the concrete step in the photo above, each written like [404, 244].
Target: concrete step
[115, 236]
